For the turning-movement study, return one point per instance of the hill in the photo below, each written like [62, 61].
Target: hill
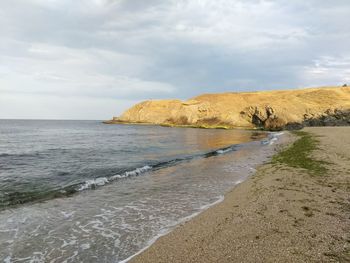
[271, 110]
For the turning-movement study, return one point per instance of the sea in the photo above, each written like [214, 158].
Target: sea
[84, 191]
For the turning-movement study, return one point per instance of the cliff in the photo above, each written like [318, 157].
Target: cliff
[272, 110]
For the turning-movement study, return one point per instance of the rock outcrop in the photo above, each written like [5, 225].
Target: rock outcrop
[270, 110]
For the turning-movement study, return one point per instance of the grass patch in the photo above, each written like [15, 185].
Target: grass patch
[298, 155]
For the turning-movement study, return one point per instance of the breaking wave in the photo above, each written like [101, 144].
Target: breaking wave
[93, 183]
[21, 197]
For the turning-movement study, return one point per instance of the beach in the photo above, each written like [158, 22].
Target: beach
[290, 210]
[99, 193]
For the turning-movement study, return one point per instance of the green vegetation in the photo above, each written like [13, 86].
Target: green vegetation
[298, 155]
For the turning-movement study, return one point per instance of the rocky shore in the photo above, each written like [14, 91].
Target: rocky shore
[269, 110]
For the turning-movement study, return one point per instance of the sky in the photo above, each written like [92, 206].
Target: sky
[92, 59]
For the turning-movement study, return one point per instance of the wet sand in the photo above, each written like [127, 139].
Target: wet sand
[281, 214]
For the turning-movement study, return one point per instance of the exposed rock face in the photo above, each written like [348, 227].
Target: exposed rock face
[271, 110]
[331, 117]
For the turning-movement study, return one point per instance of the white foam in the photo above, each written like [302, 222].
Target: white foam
[272, 138]
[252, 169]
[103, 180]
[169, 228]
[67, 214]
[223, 151]
[238, 182]
[265, 142]
[138, 171]
[278, 134]
[85, 246]
[93, 182]
[115, 177]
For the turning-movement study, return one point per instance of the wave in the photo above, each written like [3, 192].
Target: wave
[222, 151]
[271, 138]
[15, 198]
[93, 183]
[100, 181]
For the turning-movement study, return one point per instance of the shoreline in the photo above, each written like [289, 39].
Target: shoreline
[279, 213]
[117, 220]
[193, 126]
[287, 139]
[173, 227]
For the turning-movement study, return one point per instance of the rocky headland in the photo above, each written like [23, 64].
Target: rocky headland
[269, 110]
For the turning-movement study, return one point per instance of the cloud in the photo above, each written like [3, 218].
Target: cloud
[130, 50]
[65, 71]
[328, 70]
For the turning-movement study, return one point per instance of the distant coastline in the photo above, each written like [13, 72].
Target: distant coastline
[268, 110]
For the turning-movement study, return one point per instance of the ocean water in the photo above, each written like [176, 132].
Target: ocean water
[82, 191]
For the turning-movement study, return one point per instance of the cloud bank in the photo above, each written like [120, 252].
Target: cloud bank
[92, 59]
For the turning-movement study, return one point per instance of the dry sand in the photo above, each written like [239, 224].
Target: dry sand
[281, 214]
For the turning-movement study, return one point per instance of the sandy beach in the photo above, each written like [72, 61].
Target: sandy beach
[289, 211]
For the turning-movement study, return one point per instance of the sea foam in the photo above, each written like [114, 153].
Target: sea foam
[89, 184]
